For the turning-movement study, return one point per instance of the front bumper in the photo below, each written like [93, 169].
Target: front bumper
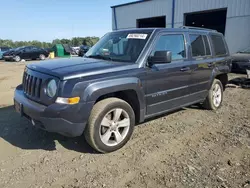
[8, 57]
[52, 118]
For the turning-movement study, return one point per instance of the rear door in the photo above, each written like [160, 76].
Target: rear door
[167, 84]
[203, 64]
[35, 52]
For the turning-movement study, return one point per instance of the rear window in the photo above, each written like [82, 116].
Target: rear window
[200, 46]
[207, 47]
[219, 45]
[197, 44]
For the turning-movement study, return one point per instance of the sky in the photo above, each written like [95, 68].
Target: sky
[45, 20]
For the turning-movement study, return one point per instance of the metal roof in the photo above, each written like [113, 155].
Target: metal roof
[130, 3]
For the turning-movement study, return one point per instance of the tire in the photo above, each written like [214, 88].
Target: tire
[42, 57]
[102, 125]
[215, 96]
[17, 58]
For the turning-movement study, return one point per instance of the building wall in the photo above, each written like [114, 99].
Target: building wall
[127, 15]
[237, 25]
[238, 18]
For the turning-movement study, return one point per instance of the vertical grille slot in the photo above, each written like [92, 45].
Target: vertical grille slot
[39, 87]
[34, 85]
[24, 78]
[30, 85]
[27, 84]
[39, 83]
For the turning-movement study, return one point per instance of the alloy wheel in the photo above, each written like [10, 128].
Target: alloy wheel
[217, 95]
[114, 127]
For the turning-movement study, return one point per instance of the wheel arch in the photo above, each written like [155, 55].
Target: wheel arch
[127, 89]
[220, 75]
[223, 79]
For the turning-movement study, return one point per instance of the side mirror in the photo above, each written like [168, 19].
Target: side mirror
[160, 57]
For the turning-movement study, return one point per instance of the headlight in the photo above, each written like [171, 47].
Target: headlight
[51, 88]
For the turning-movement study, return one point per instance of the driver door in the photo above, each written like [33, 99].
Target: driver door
[167, 85]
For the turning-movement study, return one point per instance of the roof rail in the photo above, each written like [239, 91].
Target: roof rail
[197, 28]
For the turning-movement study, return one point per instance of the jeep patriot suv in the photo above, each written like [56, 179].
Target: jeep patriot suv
[127, 77]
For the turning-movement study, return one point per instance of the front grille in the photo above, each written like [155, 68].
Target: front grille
[32, 85]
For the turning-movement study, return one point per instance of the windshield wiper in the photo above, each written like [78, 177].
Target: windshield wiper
[99, 57]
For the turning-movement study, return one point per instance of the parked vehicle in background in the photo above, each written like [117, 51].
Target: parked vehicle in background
[241, 61]
[83, 50]
[3, 50]
[125, 78]
[26, 53]
[75, 50]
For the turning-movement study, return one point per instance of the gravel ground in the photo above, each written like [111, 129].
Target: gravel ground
[188, 148]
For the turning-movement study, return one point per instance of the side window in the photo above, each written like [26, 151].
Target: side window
[219, 45]
[28, 49]
[207, 47]
[197, 45]
[174, 43]
[34, 49]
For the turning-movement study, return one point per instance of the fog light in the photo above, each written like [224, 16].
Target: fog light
[73, 100]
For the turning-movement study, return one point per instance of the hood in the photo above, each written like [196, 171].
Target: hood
[79, 67]
[241, 57]
[8, 52]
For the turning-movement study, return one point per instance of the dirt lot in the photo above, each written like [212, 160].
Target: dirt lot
[188, 148]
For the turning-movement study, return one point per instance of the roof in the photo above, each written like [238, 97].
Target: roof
[130, 3]
[184, 29]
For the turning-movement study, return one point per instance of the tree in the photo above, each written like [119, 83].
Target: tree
[75, 41]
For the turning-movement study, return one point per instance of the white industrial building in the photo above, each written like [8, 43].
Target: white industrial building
[231, 17]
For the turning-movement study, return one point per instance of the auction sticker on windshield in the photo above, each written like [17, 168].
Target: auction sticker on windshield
[137, 36]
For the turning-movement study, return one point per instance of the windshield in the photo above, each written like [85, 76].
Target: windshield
[19, 48]
[246, 50]
[123, 46]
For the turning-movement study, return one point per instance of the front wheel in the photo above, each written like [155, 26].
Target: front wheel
[215, 96]
[110, 125]
[42, 57]
[17, 58]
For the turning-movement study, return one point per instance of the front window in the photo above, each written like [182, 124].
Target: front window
[123, 46]
[171, 42]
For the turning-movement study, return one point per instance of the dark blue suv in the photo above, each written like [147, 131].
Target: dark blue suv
[127, 77]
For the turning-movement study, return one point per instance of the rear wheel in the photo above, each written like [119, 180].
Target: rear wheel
[110, 125]
[215, 96]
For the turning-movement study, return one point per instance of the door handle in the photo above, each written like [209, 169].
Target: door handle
[183, 69]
